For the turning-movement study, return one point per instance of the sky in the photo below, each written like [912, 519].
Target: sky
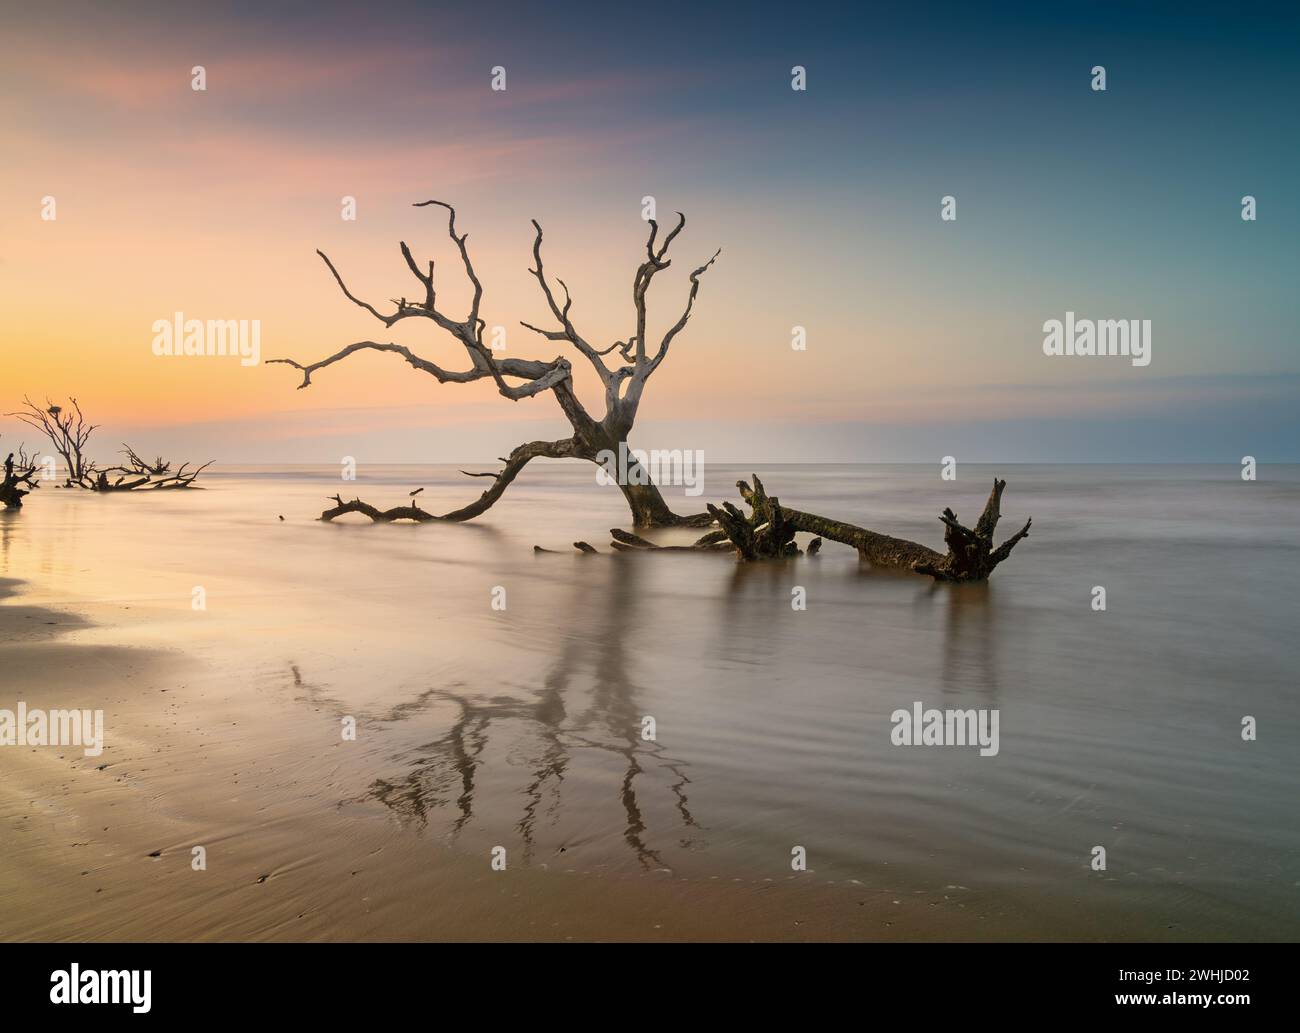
[923, 336]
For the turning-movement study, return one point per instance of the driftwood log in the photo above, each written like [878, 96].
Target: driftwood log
[971, 554]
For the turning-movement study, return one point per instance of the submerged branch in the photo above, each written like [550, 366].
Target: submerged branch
[517, 460]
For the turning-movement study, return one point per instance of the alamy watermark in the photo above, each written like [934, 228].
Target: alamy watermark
[1131, 337]
[658, 466]
[36, 727]
[93, 986]
[181, 336]
[921, 727]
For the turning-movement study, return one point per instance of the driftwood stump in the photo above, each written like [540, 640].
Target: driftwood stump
[19, 479]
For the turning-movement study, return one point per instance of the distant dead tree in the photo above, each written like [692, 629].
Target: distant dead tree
[20, 471]
[69, 433]
[158, 468]
[624, 383]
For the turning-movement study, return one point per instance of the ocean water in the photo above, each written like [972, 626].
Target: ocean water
[523, 727]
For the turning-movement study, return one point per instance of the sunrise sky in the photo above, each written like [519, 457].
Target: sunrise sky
[924, 336]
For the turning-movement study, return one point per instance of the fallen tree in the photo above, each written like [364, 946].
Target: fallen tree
[768, 532]
[517, 379]
[971, 554]
[138, 475]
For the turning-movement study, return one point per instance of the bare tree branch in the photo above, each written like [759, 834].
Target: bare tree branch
[686, 314]
[654, 262]
[567, 332]
[424, 365]
[517, 460]
[472, 319]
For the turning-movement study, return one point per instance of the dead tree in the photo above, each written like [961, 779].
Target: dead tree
[517, 379]
[19, 478]
[68, 433]
[138, 475]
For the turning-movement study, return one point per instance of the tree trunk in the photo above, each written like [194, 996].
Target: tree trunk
[644, 498]
[648, 506]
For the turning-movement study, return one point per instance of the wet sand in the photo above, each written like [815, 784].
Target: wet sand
[100, 848]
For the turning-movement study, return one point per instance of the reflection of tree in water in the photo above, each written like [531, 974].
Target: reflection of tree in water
[970, 640]
[447, 772]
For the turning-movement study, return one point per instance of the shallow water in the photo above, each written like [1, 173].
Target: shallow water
[523, 727]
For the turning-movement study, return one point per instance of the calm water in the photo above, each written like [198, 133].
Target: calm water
[523, 727]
